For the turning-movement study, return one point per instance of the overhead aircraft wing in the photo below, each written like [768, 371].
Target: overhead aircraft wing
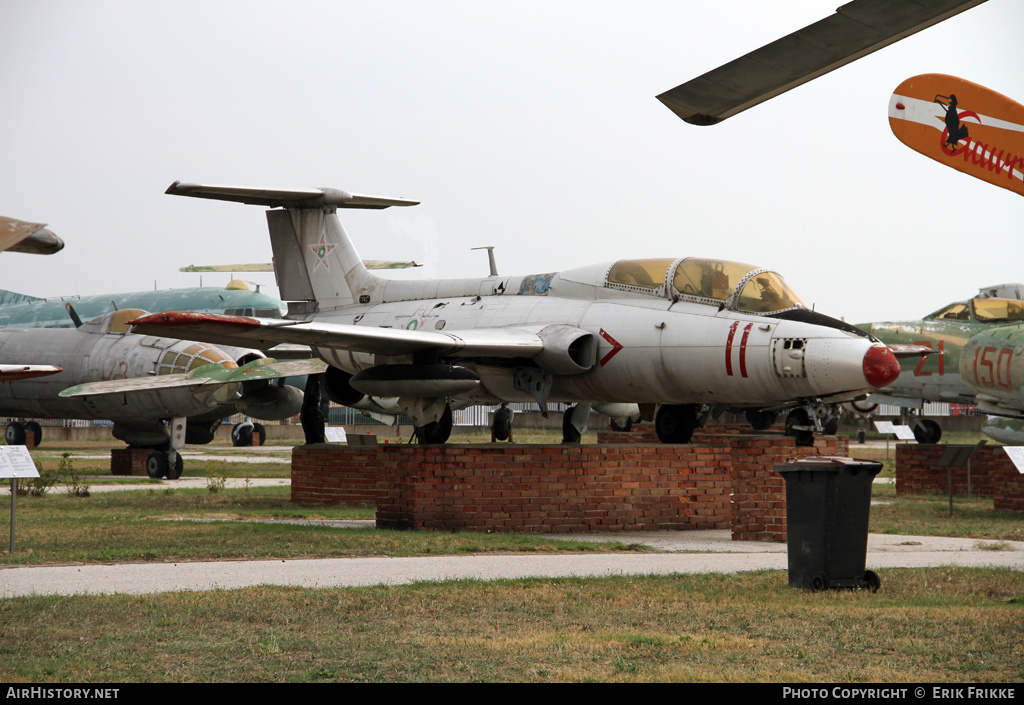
[265, 332]
[215, 374]
[13, 373]
[856, 29]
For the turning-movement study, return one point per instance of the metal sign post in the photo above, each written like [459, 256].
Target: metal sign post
[956, 457]
[903, 433]
[16, 462]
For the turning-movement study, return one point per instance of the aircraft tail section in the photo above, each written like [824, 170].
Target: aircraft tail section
[316, 264]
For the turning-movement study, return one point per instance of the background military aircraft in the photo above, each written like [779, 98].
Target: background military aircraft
[977, 344]
[195, 384]
[25, 311]
[675, 334]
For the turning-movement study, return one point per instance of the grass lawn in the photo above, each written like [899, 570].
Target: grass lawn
[941, 625]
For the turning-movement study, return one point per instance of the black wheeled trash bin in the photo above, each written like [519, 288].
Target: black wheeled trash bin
[828, 500]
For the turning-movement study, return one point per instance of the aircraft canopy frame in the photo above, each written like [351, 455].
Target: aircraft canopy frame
[733, 285]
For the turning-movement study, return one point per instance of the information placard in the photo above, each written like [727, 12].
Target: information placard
[885, 427]
[904, 433]
[16, 462]
[1016, 454]
[335, 434]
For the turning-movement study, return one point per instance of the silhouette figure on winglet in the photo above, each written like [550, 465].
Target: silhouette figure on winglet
[955, 130]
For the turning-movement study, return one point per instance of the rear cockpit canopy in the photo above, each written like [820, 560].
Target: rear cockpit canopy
[982, 310]
[733, 285]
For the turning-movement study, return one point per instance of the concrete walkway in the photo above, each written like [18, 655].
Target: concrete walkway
[683, 552]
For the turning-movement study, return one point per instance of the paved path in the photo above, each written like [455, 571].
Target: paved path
[684, 552]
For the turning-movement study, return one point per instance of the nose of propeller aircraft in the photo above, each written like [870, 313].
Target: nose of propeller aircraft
[881, 368]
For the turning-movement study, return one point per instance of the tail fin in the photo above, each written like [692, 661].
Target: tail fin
[316, 265]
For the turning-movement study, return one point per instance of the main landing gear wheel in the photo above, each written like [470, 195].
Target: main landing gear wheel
[435, 431]
[15, 433]
[156, 464]
[243, 434]
[760, 420]
[159, 464]
[570, 434]
[501, 426]
[927, 431]
[675, 423]
[623, 427]
[798, 425]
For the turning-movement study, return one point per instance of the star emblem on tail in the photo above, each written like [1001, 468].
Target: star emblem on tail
[321, 250]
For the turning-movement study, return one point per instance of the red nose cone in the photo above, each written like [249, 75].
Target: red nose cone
[881, 368]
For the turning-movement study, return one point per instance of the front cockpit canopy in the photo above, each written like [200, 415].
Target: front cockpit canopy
[734, 285]
[983, 310]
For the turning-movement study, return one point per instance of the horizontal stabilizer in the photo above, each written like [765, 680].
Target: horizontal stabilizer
[215, 374]
[286, 198]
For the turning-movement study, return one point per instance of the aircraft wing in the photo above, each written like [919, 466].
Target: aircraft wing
[33, 238]
[265, 332]
[856, 29]
[215, 374]
[12, 373]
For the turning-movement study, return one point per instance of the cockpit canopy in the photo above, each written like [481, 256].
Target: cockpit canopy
[735, 285]
[983, 310]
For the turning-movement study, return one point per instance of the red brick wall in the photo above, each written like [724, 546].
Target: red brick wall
[1008, 488]
[541, 488]
[992, 475]
[728, 483]
[918, 470]
[322, 475]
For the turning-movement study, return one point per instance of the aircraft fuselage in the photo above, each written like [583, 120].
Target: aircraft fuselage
[648, 349]
[88, 354]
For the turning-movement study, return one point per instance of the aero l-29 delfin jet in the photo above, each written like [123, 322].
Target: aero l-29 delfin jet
[677, 334]
[978, 359]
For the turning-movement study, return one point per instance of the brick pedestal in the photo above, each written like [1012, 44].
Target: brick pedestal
[129, 461]
[722, 481]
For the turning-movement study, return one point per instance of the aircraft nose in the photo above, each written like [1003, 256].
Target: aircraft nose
[881, 368]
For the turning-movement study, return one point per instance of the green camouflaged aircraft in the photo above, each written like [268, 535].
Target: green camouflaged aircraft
[978, 359]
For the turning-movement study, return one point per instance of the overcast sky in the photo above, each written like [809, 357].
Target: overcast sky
[529, 125]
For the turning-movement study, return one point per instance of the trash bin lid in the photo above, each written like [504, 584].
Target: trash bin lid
[832, 463]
